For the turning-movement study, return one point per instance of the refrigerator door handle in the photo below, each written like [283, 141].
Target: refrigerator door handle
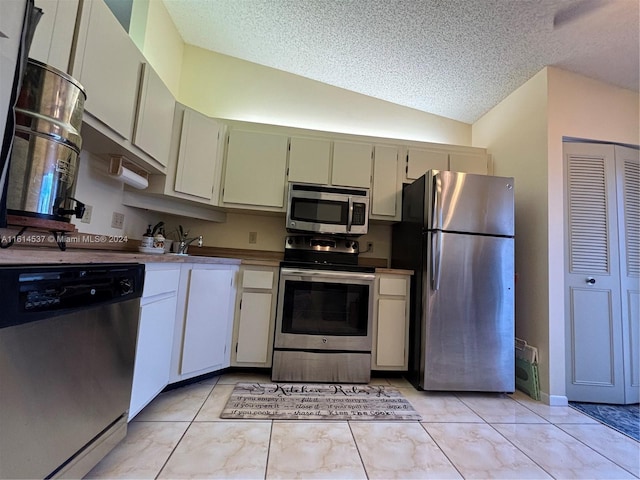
[436, 257]
[436, 219]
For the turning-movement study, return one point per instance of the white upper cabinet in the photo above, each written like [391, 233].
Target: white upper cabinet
[326, 162]
[255, 170]
[385, 189]
[468, 160]
[53, 37]
[419, 161]
[198, 155]
[129, 110]
[468, 163]
[351, 164]
[195, 163]
[309, 160]
[154, 120]
[108, 65]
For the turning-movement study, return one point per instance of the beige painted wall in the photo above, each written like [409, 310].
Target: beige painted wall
[226, 87]
[161, 45]
[271, 232]
[583, 108]
[524, 134]
[515, 133]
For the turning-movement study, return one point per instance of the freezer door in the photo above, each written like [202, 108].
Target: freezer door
[468, 314]
[463, 202]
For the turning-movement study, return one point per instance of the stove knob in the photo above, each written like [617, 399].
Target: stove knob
[290, 241]
[126, 286]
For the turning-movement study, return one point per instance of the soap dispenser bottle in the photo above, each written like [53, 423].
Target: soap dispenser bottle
[147, 239]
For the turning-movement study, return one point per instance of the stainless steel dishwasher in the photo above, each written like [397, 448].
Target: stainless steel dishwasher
[67, 347]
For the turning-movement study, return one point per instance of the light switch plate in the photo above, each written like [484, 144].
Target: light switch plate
[88, 211]
[117, 220]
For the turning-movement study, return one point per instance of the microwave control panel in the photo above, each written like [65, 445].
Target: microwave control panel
[359, 214]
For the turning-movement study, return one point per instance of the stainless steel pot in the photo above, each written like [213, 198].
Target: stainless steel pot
[47, 143]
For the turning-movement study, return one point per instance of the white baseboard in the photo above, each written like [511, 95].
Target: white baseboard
[554, 400]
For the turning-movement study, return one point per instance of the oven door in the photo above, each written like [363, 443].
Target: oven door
[322, 210]
[324, 310]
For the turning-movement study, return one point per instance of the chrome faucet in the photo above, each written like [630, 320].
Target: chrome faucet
[185, 242]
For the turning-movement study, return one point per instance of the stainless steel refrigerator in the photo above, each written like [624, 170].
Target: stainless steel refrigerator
[457, 234]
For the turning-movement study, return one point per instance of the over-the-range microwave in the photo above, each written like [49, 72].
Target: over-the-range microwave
[327, 209]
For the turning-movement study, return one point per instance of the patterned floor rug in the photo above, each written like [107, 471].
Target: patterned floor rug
[624, 418]
[297, 401]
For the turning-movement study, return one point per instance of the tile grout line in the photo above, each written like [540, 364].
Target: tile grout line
[355, 442]
[186, 430]
[441, 450]
[555, 424]
[590, 447]
[518, 448]
[173, 450]
[266, 464]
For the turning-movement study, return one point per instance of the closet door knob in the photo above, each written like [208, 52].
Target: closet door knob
[590, 280]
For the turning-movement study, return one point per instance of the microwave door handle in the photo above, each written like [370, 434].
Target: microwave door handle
[350, 216]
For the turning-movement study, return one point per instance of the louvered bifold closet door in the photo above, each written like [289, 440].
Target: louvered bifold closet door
[593, 327]
[628, 170]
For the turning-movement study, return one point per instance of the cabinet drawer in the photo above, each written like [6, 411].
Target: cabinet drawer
[257, 279]
[393, 286]
[160, 281]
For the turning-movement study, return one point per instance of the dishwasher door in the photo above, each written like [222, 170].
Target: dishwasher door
[66, 380]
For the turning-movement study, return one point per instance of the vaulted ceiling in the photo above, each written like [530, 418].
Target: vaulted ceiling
[454, 58]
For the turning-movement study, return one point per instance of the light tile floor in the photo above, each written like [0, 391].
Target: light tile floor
[180, 435]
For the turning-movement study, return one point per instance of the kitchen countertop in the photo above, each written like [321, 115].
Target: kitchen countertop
[25, 256]
[53, 255]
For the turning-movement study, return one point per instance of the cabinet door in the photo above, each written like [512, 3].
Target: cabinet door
[309, 160]
[390, 346]
[351, 164]
[53, 37]
[207, 320]
[255, 169]
[253, 332]
[460, 162]
[419, 161]
[198, 155]
[110, 70]
[154, 122]
[153, 352]
[385, 181]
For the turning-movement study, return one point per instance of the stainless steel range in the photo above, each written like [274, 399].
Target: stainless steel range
[324, 312]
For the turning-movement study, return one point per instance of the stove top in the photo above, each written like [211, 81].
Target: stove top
[321, 250]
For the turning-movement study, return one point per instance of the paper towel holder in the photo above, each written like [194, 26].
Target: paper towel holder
[127, 172]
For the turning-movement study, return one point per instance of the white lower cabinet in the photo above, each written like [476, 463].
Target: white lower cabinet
[204, 320]
[155, 334]
[255, 317]
[391, 322]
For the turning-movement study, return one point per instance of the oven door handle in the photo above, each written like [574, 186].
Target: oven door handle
[328, 274]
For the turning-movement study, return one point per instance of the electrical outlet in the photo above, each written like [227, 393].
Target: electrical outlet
[369, 247]
[88, 210]
[117, 220]
[253, 237]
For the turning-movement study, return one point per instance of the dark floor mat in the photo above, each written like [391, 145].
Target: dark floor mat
[624, 418]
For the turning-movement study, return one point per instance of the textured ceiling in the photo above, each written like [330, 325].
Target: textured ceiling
[454, 58]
